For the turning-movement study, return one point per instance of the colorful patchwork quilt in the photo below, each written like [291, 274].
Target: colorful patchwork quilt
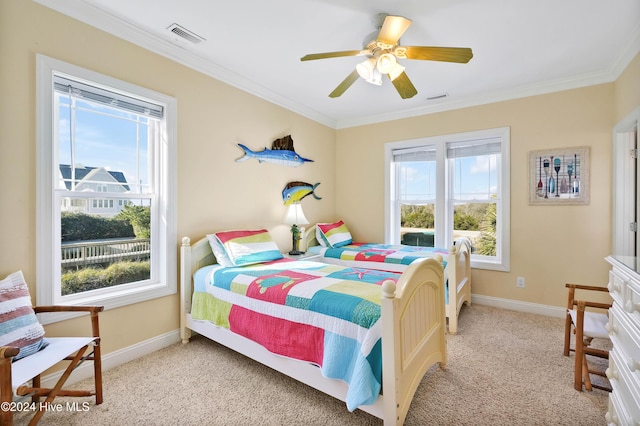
[324, 314]
[395, 254]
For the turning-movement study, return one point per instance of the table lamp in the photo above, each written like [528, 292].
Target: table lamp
[295, 217]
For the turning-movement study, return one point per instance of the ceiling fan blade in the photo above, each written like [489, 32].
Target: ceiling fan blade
[429, 53]
[313, 56]
[404, 86]
[346, 83]
[392, 29]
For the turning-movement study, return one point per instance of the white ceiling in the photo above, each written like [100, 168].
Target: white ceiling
[520, 48]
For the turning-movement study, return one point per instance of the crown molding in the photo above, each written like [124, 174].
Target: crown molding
[98, 18]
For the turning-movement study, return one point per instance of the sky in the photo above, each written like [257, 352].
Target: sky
[105, 138]
[475, 178]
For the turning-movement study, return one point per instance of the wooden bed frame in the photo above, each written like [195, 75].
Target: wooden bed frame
[413, 334]
[458, 270]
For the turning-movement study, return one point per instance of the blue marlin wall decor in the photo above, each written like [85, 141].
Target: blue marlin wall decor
[293, 192]
[281, 152]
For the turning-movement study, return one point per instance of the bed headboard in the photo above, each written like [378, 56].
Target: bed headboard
[192, 257]
[309, 238]
[201, 254]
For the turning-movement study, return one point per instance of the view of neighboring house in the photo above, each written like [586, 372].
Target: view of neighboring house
[93, 179]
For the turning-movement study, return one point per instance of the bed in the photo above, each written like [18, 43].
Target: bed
[389, 257]
[412, 335]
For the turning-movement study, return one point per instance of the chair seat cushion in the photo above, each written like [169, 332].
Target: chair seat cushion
[58, 348]
[19, 326]
[595, 324]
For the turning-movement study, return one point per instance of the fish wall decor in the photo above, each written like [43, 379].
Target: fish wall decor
[293, 192]
[281, 152]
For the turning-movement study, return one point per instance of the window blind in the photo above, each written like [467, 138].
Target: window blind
[423, 153]
[474, 148]
[106, 97]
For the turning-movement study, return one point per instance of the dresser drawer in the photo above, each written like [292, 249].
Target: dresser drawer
[632, 304]
[617, 285]
[625, 398]
[617, 413]
[626, 341]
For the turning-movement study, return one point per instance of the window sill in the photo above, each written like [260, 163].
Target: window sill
[113, 299]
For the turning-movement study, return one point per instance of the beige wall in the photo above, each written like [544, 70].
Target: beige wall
[550, 245]
[214, 192]
[627, 90]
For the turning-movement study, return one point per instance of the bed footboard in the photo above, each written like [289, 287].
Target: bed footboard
[458, 273]
[413, 336]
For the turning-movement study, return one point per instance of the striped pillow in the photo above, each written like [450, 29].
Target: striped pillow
[249, 247]
[218, 251]
[19, 326]
[333, 234]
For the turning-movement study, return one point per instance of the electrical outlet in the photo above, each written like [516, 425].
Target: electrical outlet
[520, 282]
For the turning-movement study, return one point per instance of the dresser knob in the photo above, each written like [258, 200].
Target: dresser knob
[611, 328]
[632, 307]
[633, 365]
[611, 373]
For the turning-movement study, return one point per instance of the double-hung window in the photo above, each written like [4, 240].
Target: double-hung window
[106, 175]
[443, 188]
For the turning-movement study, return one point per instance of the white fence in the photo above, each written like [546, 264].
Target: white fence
[104, 251]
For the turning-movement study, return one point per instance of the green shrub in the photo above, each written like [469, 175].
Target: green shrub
[81, 227]
[93, 278]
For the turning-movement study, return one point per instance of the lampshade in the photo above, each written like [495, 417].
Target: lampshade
[386, 62]
[368, 71]
[365, 68]
[396, 71]
[295, 216]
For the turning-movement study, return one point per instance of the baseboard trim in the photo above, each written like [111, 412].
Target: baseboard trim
[116, 358]
[515, 305]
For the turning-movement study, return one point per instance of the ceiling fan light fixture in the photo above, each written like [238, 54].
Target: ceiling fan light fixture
[376, 78]
[367, 70]
[395, 71]
[386, 62]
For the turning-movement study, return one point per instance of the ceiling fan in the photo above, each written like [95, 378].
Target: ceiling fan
[382, 57]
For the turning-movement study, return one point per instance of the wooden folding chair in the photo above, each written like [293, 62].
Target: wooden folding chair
[586, 325]
[14, 376]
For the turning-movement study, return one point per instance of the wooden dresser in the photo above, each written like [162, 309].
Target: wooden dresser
[624, 329]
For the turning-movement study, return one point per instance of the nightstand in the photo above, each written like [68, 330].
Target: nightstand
[305, 256]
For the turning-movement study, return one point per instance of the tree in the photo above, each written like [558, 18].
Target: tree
[417, 216]
[487, 242]
[139, 217]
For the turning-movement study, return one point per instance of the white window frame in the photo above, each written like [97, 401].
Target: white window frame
[47, 227]
[501, 262]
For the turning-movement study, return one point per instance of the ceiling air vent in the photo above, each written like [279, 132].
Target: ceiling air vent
[438, 97]
[185, 34]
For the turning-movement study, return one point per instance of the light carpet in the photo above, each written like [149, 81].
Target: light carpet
[504, 368]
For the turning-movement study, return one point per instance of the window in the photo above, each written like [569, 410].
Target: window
[442, 188]
[106, 224]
